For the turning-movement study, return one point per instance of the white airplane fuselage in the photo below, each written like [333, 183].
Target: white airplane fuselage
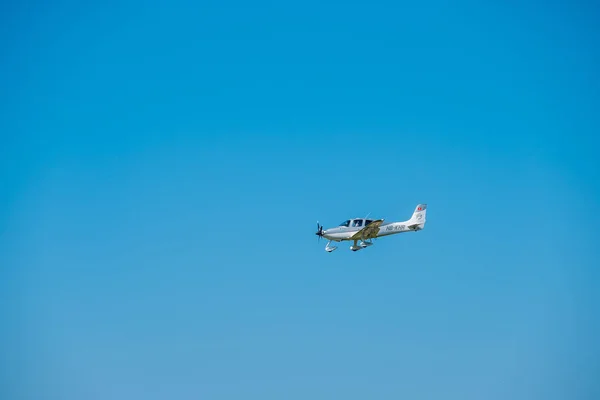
[341, 233]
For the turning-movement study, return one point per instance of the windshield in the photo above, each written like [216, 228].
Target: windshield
[345, 223]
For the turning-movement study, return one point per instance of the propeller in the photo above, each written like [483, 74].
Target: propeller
[319, 231]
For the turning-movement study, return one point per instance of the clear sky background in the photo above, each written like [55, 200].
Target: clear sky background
[163, 166]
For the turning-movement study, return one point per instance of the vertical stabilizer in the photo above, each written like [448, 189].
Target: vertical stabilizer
[419, 216]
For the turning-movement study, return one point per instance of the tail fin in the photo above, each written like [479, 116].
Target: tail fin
[417, 221]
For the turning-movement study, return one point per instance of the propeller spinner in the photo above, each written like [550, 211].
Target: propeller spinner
[319, 231]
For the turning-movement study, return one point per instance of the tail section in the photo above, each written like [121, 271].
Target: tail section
[417, 221]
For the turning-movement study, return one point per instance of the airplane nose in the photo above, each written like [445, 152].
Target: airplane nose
[319, 230]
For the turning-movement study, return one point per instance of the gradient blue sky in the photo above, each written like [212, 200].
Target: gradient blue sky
[163, 166]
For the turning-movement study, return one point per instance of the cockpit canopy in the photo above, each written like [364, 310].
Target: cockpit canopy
[356, 223]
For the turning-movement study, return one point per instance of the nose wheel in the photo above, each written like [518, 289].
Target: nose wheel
[329, 248]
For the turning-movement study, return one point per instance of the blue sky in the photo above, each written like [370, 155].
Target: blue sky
[164, 164]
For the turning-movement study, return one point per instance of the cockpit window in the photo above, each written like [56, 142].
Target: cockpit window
[367, 222]
[345, 223]
[357, 222]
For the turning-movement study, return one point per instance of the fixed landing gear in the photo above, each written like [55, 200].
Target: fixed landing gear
[362, 245]
[329, 248]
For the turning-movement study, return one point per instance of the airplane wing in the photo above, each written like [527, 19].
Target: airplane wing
[368, 232]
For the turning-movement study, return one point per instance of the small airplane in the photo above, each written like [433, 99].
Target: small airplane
[366, 230]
